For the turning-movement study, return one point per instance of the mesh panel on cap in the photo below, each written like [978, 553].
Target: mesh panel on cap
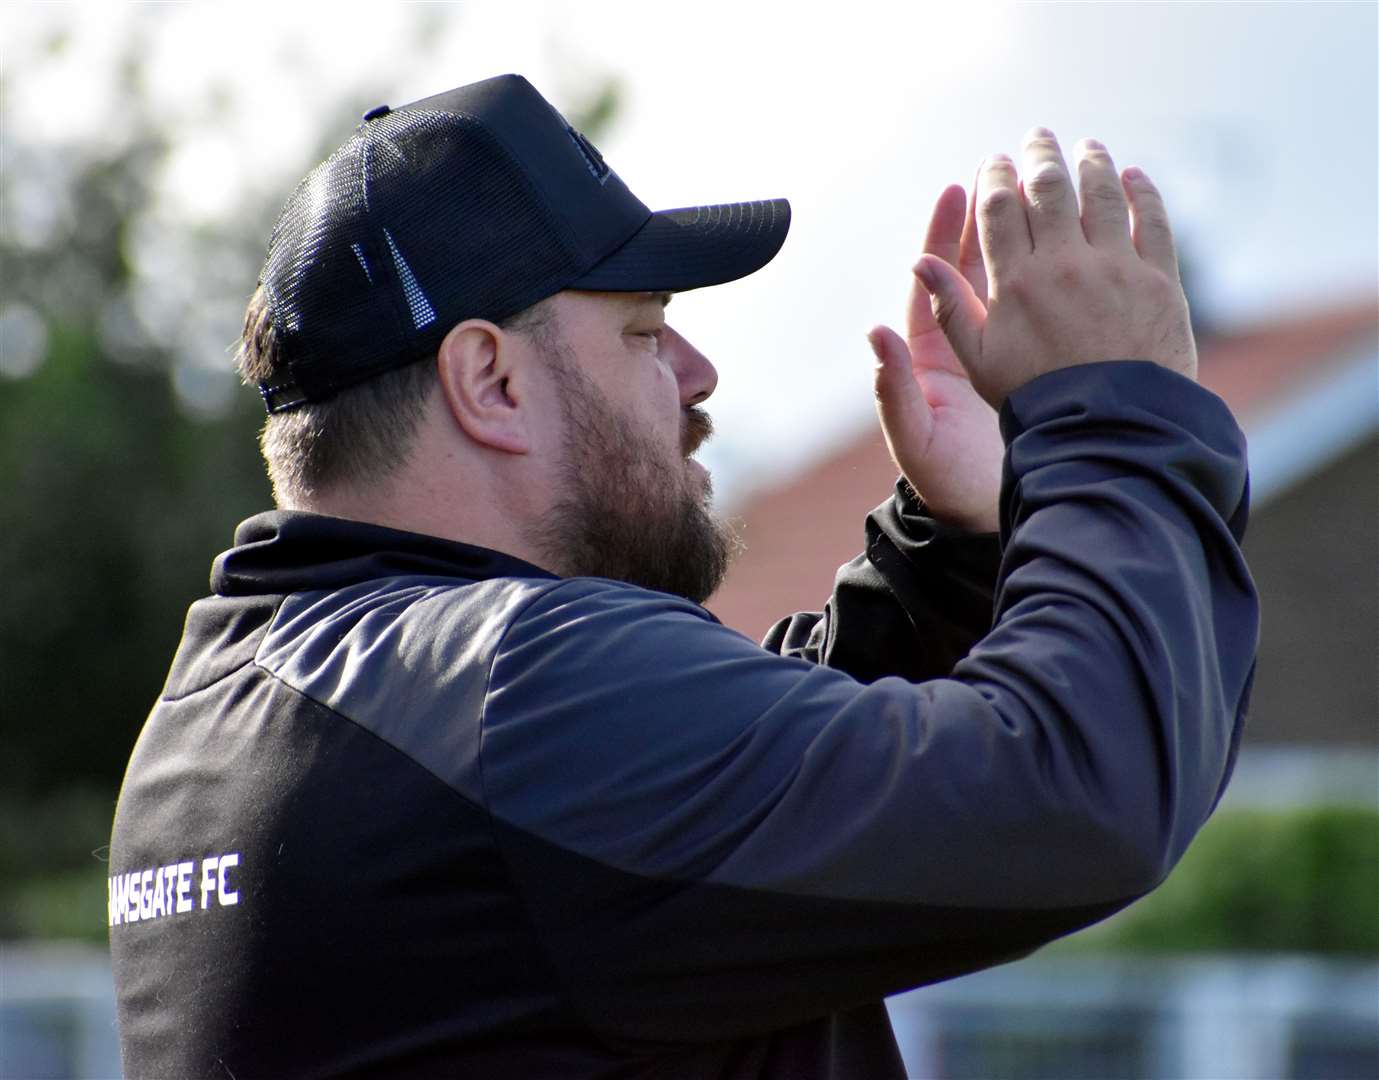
[421, 220]
[297, 247]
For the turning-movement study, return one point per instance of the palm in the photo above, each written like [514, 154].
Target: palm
[943, 436]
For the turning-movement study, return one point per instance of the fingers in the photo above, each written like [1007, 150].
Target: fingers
[1001, 224]
[944, 241]
[1105, 216]
[1150, 230]
[946, 225]
[957, 309]
[905, 415]
[970, 263]
[1048, 190]
[896, 386]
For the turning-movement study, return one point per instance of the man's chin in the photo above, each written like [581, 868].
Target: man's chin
[700, 476]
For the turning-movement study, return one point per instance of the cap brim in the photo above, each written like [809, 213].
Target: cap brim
[693, 247]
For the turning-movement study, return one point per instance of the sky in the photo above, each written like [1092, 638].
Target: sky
[1260, 123]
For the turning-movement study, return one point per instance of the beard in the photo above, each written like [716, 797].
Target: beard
[627, 509]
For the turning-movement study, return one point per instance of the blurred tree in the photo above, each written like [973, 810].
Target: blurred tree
[1298, 880]
[113, 491]
[127, 456]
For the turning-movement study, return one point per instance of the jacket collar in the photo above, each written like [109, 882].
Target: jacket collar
[286, 551]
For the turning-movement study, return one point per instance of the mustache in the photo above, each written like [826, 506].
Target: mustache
[697, 428]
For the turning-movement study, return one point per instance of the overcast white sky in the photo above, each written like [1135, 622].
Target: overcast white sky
[1259, 121]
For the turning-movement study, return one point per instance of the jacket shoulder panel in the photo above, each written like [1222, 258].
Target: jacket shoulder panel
[406, 658]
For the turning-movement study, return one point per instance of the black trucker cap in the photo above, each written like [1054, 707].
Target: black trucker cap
[475, 203]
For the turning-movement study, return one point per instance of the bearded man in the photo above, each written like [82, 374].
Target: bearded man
[453, 775]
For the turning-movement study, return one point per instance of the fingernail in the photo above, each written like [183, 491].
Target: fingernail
[1093, 144]
[1134, 173]
[878, 351]
[999, 159]
[1041, 133]
[926, 275]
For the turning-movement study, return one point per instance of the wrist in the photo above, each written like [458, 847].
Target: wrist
[975, 518]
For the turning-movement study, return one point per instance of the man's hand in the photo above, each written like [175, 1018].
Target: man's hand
[1065, 288]
[942, 436]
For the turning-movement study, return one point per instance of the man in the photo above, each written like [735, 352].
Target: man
[453, 776]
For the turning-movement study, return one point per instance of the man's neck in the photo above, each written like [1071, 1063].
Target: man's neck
[430, 510]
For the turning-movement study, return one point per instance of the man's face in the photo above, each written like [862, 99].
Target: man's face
[631, 505]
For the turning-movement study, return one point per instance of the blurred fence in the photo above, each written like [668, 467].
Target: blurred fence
[57, 1013]
[1084, 1017]
[1105, 1017]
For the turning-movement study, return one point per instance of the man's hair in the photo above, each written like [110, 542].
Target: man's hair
[358, 436]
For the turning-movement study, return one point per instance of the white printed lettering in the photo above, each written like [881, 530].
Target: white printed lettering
[145, 895]
[160, 891]
[225, 896]
[184, 887]
[160, 900]
[207, 879]
[121, 883]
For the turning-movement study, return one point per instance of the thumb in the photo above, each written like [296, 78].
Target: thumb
[957, 309]
[906, 418]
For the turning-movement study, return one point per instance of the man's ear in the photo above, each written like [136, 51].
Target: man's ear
[482, 377]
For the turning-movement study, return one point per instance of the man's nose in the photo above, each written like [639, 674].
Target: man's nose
[693, 371]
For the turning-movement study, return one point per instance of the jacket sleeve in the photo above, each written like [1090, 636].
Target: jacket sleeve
[912, 604]
[714, 841]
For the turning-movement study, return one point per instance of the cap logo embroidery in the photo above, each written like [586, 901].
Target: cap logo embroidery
[592, 158]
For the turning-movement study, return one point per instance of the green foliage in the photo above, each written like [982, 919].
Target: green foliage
[1304, 880]
[112, 497]
[594, 115]
[114, 494]
[70, 905]
[53, 859]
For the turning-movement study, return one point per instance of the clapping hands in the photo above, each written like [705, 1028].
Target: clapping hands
[1022, 282]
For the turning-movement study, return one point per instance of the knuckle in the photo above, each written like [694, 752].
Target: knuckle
[1151, 212]
[1047, 180]
[1158, 221]
[1144, 186]
[996, 203]
[1067, 274]
[1022, 288]
[999, 165]
[1164, 292]
[1103, 197]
